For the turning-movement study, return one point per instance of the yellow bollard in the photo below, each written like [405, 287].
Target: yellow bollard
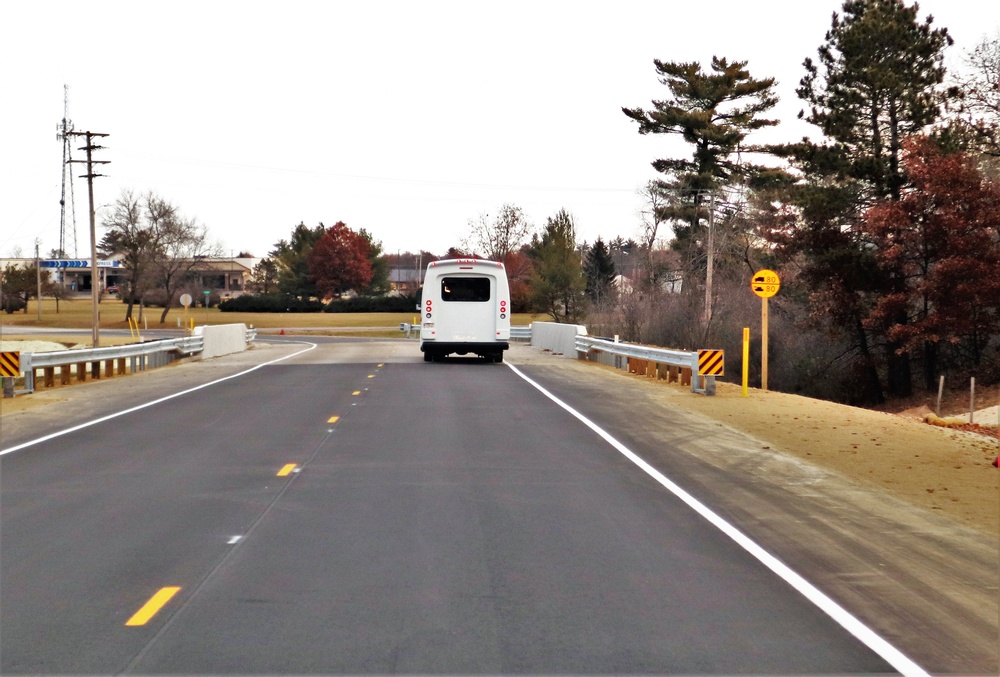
[746, 359]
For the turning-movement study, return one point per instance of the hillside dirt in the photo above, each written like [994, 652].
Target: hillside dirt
[947, 469]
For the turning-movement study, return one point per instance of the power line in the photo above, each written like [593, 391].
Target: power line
[94, 276]
[392, 179]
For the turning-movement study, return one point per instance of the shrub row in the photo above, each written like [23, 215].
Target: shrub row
[285, 303]
[372, 304]
[157, 298]
[269, 303]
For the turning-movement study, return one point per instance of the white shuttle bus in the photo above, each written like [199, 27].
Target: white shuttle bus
[465, 308]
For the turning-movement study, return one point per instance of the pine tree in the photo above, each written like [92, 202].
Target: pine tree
[714, 112]
[876, 81]
[599, 269]
[557, 284]
[292, 259]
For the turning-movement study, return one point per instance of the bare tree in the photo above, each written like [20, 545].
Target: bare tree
[980, 94]
[182, 243]
[497, 239]
[158, 248]
[129, 236]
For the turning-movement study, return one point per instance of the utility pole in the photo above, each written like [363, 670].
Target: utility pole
[38, 282]
[94, 277]
[711, 262]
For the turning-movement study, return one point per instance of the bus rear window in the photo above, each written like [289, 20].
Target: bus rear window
[476, 289]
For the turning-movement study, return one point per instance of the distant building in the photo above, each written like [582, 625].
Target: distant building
[227, 276]
[405, 281]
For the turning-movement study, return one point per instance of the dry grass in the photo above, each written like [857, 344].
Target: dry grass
[78, 314]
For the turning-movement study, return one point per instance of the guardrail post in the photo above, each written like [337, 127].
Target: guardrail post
[695, 376]
[29, 373]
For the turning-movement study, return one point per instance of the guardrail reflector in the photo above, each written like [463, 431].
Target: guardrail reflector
[711, 362]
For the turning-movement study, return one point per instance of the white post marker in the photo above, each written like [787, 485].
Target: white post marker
[186, 302]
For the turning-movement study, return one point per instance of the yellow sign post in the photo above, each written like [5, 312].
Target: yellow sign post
[746, 359]
[765, 284]
[10, 368]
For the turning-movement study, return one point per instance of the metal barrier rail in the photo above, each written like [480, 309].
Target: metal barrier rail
[676, 358]
[140, 354]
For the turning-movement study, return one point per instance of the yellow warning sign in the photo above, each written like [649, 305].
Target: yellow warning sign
[765, 283]
[711, 362]
[10, 364]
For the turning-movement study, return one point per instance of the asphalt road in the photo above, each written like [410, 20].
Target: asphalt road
[353, 509]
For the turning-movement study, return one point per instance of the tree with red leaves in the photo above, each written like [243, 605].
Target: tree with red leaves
[944, 235]
[339, 261]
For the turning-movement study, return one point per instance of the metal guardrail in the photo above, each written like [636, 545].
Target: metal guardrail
[677, 358]
[142, 356]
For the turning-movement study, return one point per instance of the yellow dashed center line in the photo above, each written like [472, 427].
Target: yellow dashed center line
[286, 469]
[356, 393]
[371, 375]
[333, 419]
[155, 603]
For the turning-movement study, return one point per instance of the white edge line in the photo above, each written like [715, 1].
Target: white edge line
[51, 436]
[853, 625]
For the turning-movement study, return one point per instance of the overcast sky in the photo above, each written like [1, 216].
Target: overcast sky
[407, 119]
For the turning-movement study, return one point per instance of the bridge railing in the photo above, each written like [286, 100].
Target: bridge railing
[131, 357]
[660, 363]
[138, 357]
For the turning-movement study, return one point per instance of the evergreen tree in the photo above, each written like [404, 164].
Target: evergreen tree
[714, 112]
[557, 284]
[379, 286]
[875, 83]
[264, 277]
[600, 271]
[292, 259]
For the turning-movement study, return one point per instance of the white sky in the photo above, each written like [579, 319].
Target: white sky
[404, 118]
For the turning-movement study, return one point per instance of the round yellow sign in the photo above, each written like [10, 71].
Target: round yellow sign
[765, 283]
